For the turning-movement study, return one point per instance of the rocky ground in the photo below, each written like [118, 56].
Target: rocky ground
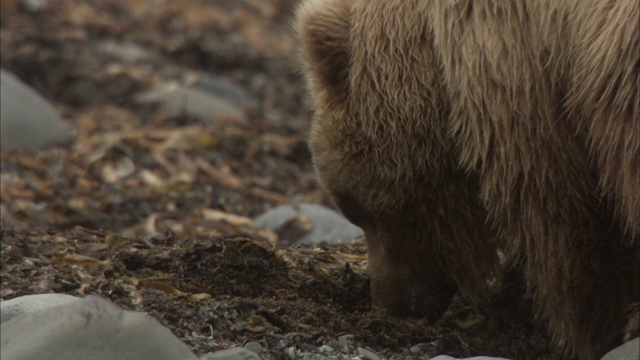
[189, 120]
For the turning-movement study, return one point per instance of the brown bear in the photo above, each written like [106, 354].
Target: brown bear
[452, 131]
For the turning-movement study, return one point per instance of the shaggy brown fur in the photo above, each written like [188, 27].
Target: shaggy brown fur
[450, 129]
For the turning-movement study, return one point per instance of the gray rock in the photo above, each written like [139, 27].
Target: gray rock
[319, 357]
[422, 348]
[344, 342]
[35, 5]
[32, 303]
[627, 351]
[446, 357]
[27, 120]
[176, 100]
[326, 349]
[231, 354]
[367, 354]
[253, 347]
[126, 52]
[292, 352]
[91, 328]
[404, 357]
[225, 89]
[327, 225]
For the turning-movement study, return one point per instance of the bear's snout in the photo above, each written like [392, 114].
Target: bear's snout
[414, 296]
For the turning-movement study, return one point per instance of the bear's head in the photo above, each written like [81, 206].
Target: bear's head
[411, 270]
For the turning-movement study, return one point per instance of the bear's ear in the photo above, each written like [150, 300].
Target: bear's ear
[323, 28]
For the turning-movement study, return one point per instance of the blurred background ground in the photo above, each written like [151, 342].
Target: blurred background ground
[189, 119]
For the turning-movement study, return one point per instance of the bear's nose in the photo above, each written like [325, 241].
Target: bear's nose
[417, 299]
[412, 298]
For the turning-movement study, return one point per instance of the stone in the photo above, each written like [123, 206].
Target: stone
[27, 120]
[177, 100]
[344, 342]
[226, 89]
[91, 328]
[627, 351]
[253, 347]
[232, 354]
[126, 52]
[327, 224]
[32, 303]
[367, 354]
[446, 357]
[326, 349]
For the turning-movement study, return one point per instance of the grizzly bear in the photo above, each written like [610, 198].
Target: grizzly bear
[455, 131]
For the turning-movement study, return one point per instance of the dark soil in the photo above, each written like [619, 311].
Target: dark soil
[153, 211]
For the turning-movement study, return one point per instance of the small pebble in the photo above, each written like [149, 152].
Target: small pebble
[397, 357]
[344, 342]
[415, 349]
[326, 349]
[231, 354]
[292, 352]
[368, 354]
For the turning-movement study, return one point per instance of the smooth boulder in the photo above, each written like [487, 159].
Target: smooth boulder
[92, 328]
[27, 120]
[324, 224]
